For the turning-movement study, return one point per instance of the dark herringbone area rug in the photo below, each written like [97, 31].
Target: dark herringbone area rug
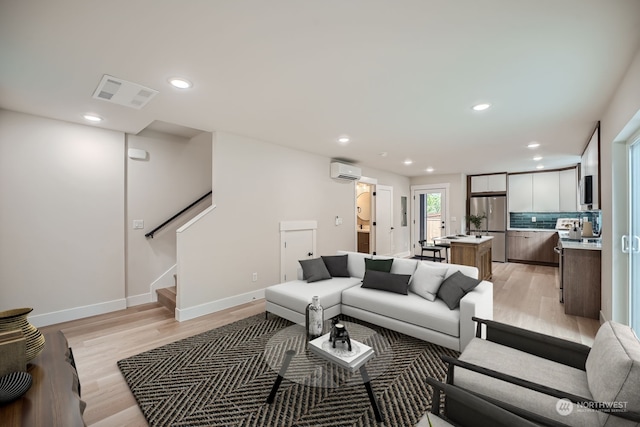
[221, 378]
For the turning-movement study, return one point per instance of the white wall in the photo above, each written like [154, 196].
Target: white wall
[457, 196]
[61, 218]
[624, 105]
[176, 172]
[256, 186]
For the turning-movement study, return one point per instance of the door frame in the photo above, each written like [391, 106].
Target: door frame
[372, 182]
[419, 189]
[295, 226]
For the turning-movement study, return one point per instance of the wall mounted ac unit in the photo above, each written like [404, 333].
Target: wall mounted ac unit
[345, 171]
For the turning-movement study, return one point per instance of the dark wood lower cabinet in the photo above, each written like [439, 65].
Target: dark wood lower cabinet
[581, 282]
[475, 255]
[54, 397]
[533, 247]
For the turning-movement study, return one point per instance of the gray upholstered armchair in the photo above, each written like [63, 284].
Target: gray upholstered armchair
[553, 381]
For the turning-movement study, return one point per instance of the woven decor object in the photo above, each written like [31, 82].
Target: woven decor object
[14, 385]
[17, 319]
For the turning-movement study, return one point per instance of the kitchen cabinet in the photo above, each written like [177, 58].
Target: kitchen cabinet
[569, 190]
[496, 183]
[553, 191]
[474, 254]
[535, 247]
[546, 192]
[520, 195]
[581, 282]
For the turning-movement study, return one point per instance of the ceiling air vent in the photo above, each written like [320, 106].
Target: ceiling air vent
[122, 92]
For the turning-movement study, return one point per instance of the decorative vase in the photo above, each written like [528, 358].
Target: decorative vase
[314, 319]
[17, 319]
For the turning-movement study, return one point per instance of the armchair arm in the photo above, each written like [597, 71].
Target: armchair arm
[552, 348]
[578, 400]
[470, 409]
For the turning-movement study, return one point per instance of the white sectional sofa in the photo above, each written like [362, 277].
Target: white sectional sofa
[410, 314]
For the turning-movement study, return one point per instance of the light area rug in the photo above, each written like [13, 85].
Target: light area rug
[222, 378]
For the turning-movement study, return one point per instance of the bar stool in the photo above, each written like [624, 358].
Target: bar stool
[433, 249]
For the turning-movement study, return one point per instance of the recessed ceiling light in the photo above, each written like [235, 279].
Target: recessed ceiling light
[481, 107]
[92, 118]
[429, 169]
[383, 154]
[343, 139]
[537, 158]
[540, 167]
[533, 145]
[180, 83]
[408, 162]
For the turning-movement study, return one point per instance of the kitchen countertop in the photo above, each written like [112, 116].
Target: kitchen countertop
[589, 243]
[460, 239]
[532, 229]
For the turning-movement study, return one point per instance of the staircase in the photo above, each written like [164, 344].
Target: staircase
[167, 297]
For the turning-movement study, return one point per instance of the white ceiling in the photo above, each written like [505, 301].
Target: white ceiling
[397, 77]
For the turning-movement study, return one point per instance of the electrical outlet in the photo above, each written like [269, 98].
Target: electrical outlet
[254, 277]
[533, 219]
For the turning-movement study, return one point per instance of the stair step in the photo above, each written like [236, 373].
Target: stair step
[167, 297]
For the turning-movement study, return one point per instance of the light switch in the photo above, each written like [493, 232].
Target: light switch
[454, 219]
[138, 224]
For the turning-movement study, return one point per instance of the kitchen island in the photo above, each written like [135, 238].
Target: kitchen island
[470, 250]
[580, 270]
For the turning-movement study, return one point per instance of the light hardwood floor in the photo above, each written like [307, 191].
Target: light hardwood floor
[524, 295]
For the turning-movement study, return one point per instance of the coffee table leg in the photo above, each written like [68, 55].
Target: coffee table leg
[283, 370]
[367, 384]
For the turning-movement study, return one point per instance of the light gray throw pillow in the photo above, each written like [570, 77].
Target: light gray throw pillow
[426, 280]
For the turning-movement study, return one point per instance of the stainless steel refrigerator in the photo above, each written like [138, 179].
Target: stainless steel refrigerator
[495, 208]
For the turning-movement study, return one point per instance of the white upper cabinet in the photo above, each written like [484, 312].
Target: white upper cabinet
[520, 194]
[496, 183]
[569, 190]
[554, 191]
[546, 192]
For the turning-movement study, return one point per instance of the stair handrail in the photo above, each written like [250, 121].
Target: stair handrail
[152, 232]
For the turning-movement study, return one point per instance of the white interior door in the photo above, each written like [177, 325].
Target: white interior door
[429, 214]
[384, 220]
[297, 242]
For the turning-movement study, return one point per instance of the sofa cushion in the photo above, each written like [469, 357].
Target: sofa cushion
[337, 265]
[613, 366]
[355, 263]
[528, 367]
[409, 308]
[378, 264]
[398, 283]
[296, 295]
[455, 287]
[314, 270]
[426, 280]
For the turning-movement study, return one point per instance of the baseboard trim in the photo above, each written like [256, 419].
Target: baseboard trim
[218, 305]
[406, 254]
[75, 313]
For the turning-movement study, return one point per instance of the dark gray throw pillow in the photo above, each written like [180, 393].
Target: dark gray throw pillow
[337, 265]
[455, 287]
[314, 270]
[398, 283]
[378, 264]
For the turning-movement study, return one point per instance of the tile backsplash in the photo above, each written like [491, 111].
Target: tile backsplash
[547, 220]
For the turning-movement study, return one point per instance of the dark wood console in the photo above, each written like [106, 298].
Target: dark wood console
[54, 397]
